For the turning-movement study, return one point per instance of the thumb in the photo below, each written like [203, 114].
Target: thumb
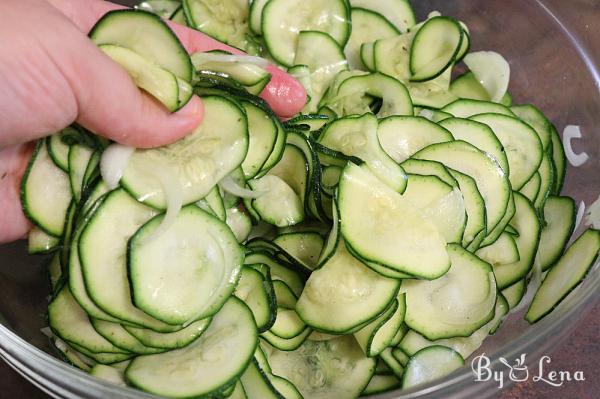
[109, 103]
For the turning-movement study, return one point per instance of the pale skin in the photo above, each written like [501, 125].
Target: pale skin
[52, 75]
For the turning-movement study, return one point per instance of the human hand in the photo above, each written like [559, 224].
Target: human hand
[53, 75]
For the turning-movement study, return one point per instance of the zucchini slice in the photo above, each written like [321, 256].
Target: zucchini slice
[383, 227]
[559, 218]
[45, 204]
[356, 136]
[283, 20]
[196, 162]
[341, 287]
[198, 258]
[479, 135]
[521, 144]
[403, 136]
[434, 48]
[492, 181]
[324, 369]
[169, 340]
[455, 305]
[154, 40]
[208, 364]
[429, 364]
[398, 12]
[565, 276]
[367, 26]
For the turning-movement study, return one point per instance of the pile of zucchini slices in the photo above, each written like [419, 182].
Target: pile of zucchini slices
[370, 243]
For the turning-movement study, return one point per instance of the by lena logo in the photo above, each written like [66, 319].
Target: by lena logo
[519, 372]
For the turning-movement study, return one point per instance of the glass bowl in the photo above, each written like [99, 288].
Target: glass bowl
[551, 68]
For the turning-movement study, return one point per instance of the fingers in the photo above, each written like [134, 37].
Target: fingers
[283, 93]
[13, 223]
[110, 104]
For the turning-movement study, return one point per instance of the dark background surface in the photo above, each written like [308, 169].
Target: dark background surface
[581, 351]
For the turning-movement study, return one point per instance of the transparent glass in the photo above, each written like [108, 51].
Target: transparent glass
[552, 67]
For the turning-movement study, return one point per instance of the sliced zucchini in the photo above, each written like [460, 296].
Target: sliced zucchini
[160, 83]
[256, 383]
[169, 340]
[559, 160]
[565, 275]
[474, 207]
[341, 287]
[324, 369]
[402, 136]
[103, 256]
[289, 210]
[45, 204]
[367, 26]
[379, 333]
[465, 108]
[286, 344]
[434, 48]
[423, 167]
[258, 294]
[546, 172]
[357, 137]
[324, 58]
[350, 96]
[196, 162]
[108, 373]
[429, 364]
[155, 41]
[39, 242]
[383, 227]
[534, 118]
[503, 251]
[162, 8]
[58, 149]
[479, 135]
[491, 180]
[279, 270]
[68, 320]
[398, 12]
[455, 305]
[239, 222]
[531, 189]
[527, 224]
[521, 143]
[198, 257]
[208, 364]
[514, 293]
[439, 203]
[380, 384]
[262, 135]
[559, 218]
[303, 247]
[119, 337]
[283, 20]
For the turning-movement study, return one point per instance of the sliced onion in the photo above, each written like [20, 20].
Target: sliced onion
[232, 187]
[593, 215]
[47, 332]
[573, 132]
[491, 70]
[201, 58]
[174, 197]
[113, 163]
[580, 213]
[532, 287]
[426, 113]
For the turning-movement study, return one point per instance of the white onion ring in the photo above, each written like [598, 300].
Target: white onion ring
[174, 197]
[580, 213]
[593, 215]
[113, 163]
[573, 132]
[230, 186]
